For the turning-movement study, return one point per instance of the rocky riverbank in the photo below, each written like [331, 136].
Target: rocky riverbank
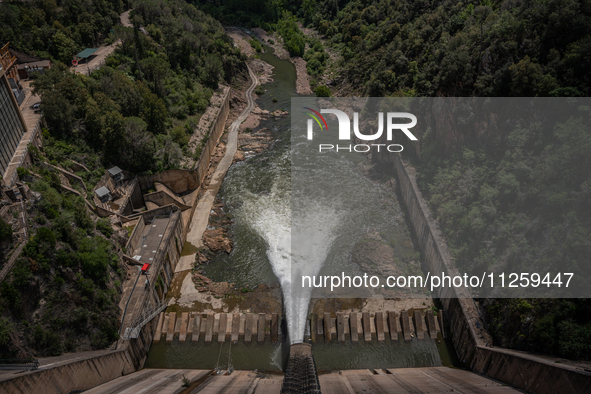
[276, 42]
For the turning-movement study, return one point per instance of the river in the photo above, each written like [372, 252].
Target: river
[257, 195]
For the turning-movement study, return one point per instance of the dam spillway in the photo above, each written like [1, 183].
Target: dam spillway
[344, 327]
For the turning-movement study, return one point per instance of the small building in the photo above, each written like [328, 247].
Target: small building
[8, 64]
[118, 193]
[26, 70]
[116, 173]
[85, 54]
[103, 194]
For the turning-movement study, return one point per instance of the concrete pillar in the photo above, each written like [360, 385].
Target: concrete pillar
[431, 324]
[261, 328]
[209, 327]
[235, 327]
[327, 336]
[354, 329]
[380, 326]
[419, 325]
[222, 328]
[313, 328]
[393, 325]
[405, 323]
[366, 326]
[340, 327]
[171, 325]
[184, 322]
[158, 333]
[248, 327]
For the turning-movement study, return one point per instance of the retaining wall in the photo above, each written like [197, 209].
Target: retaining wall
[84, 373]
[181, 181]
[471, 341]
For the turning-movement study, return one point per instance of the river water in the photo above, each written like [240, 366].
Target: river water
[257, 195]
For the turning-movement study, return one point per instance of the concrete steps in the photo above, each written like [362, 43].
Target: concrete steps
[218, 327]
[374, 326]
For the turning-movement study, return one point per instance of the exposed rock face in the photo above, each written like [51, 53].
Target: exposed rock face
[217, 289]
[217, 240]
[375, 257]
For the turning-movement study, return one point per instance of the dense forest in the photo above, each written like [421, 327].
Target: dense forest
[517, 200]
[450, 48]
[57, 30]
[453, 48]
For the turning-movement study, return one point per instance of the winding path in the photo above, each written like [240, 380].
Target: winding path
[203, 209]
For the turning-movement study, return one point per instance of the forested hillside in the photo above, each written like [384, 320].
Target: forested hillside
[57, 29]
[454, 48]
[63, 291]
[139, 111]
[518, 201]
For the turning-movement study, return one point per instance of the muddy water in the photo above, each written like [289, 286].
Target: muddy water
[256, 193]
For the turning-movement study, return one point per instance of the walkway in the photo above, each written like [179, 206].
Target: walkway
[205, 204]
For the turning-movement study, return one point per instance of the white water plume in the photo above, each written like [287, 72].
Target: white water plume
[295, 247]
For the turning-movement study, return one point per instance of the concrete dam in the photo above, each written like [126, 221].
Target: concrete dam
[233, 333]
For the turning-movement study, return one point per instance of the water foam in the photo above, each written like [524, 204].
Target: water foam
[295, 247]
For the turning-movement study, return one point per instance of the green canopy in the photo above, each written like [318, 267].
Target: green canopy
[86, 53]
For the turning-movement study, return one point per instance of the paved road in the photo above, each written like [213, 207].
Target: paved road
[203, 209]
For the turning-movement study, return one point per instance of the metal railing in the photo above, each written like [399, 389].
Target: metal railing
[149, 313]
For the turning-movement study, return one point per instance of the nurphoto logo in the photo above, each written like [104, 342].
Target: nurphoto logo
[345, 130]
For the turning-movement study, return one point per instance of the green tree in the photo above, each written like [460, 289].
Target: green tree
[5, 231]
[63, 47]
[322, 91]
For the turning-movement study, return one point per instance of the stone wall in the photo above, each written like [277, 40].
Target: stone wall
[471, 341]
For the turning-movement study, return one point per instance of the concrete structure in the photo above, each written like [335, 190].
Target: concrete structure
[117, 194]
[27, 70]
[300, 373]
[220, 327]
[155, 240]
[169, 381]
[8, 63]
[12, 125]
[409, 380]
[373, 326]
[199, 223]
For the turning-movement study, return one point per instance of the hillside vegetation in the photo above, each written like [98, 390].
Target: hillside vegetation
[137, 111]
[57, 30]
[63, 292]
